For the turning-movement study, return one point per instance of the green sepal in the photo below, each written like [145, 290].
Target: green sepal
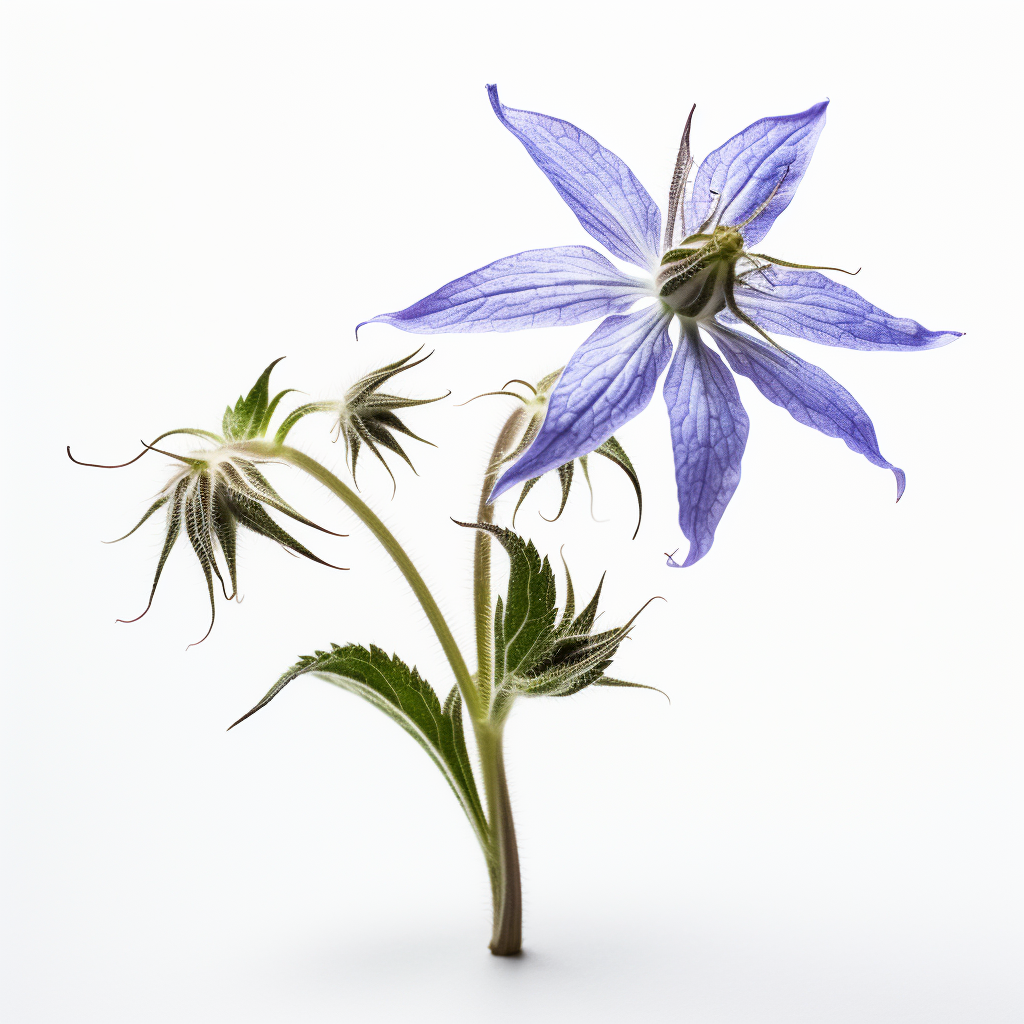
[405, 697]
[611, 450]
[297, 414]
[614, 452]
[608, 681]
[158, 504]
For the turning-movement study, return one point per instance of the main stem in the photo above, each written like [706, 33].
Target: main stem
[506, 886]
[482, 559]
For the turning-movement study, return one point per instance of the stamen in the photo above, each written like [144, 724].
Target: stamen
[677, 189]
[711, 212]
[516, 380]
[764, 206]
[804, 266]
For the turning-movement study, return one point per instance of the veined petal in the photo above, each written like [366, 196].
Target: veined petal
[601, 190]
[805, 391]
[609, 379]
[709, 432]
[738, 177]
[806, 304]
[568, 284]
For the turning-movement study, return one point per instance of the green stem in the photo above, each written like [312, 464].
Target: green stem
[503, 859]
[401, 559]
[482, 560]
[506, 887]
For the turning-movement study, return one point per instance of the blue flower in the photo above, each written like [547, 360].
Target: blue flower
[710, 281]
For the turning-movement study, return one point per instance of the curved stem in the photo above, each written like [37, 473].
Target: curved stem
[387, 539]
[482, 559]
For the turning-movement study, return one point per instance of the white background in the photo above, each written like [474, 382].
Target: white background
[824, 824]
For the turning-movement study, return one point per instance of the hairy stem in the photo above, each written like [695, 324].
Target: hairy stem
[507, 933]
[387, 539]
[482, 559]
[503, 862]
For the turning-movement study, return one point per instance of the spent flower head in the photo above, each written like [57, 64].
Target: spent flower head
[216, 490]
[366, 416]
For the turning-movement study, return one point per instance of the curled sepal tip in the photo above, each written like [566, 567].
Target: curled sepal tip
[536, 407]
[611, 450]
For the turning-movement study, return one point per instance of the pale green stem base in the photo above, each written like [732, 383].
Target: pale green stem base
[506, 889]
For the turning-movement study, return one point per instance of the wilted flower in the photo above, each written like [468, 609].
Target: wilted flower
[711, 281]
[367, 416]
[219, 489]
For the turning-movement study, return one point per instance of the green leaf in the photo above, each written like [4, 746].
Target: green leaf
[532, 655]
[251, 414]
[524, 622]
[404, 696]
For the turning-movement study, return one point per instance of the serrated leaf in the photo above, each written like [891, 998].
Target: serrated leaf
[532, 655]
[405, 697]
[525, 620]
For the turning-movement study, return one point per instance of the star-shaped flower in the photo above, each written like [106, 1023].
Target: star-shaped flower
[711, 281]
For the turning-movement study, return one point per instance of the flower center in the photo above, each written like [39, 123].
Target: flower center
[693, 277]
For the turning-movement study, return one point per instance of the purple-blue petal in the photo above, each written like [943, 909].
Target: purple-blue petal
[568, 284]
[609, 379]
[805, 391]
[808, 305]
[599, 188]
[709, 432]
[744, 171]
